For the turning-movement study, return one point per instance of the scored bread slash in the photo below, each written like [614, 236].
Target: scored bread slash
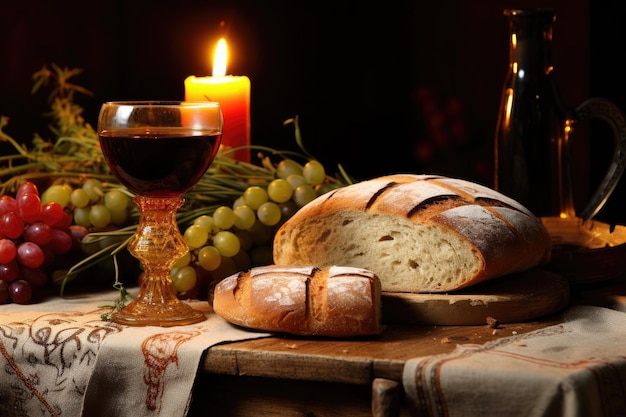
[302, 300]
[417, 233]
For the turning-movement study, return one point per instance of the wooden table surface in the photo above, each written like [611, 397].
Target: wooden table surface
[287, 376]
[355, 361]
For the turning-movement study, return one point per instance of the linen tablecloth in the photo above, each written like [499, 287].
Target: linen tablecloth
[575, 369]
[58, 358]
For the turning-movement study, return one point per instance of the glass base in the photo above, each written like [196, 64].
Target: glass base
[174, 313]
[157, 244]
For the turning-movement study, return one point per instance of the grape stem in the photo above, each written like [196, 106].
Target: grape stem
[118, 304]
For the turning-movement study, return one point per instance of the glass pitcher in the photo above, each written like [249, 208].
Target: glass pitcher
[533, 157]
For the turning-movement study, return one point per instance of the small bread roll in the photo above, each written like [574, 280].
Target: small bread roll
[304, 300]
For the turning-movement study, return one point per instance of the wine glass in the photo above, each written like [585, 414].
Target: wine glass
[159, 150]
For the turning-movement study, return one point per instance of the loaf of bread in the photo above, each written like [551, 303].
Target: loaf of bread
[305, 300]
[417, 233]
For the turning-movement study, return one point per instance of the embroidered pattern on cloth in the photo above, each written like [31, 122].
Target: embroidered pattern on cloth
[47, 360]
[58, 358]
[160, 351]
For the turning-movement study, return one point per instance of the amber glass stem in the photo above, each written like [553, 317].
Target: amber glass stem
[157, 244]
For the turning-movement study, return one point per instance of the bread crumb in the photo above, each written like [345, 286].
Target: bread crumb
[514, 332]
[495, 331]
[292, 346]
[519, 344]
[492, 322]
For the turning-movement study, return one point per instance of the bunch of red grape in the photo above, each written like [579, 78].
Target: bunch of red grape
[32, 235]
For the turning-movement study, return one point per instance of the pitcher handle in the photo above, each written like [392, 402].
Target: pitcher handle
[599, 108]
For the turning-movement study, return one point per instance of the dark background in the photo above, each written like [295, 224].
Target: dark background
[399, 86]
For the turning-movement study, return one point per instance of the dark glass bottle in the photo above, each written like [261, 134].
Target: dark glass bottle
[533, 161]
[532, 119]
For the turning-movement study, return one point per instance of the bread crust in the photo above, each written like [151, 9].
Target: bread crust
[417, 233]
[303, 300]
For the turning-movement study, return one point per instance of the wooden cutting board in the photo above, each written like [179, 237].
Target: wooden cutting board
[514, 298]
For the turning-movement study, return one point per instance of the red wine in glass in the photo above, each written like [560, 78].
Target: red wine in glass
[159, 162]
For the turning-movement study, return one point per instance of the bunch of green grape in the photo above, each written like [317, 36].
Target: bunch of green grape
[93, 205]
[238, 237]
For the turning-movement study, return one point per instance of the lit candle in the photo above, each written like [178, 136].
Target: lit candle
[233, 94]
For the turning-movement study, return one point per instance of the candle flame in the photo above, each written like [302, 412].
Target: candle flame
[219, 62]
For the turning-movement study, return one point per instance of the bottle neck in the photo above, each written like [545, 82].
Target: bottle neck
[530, 47]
